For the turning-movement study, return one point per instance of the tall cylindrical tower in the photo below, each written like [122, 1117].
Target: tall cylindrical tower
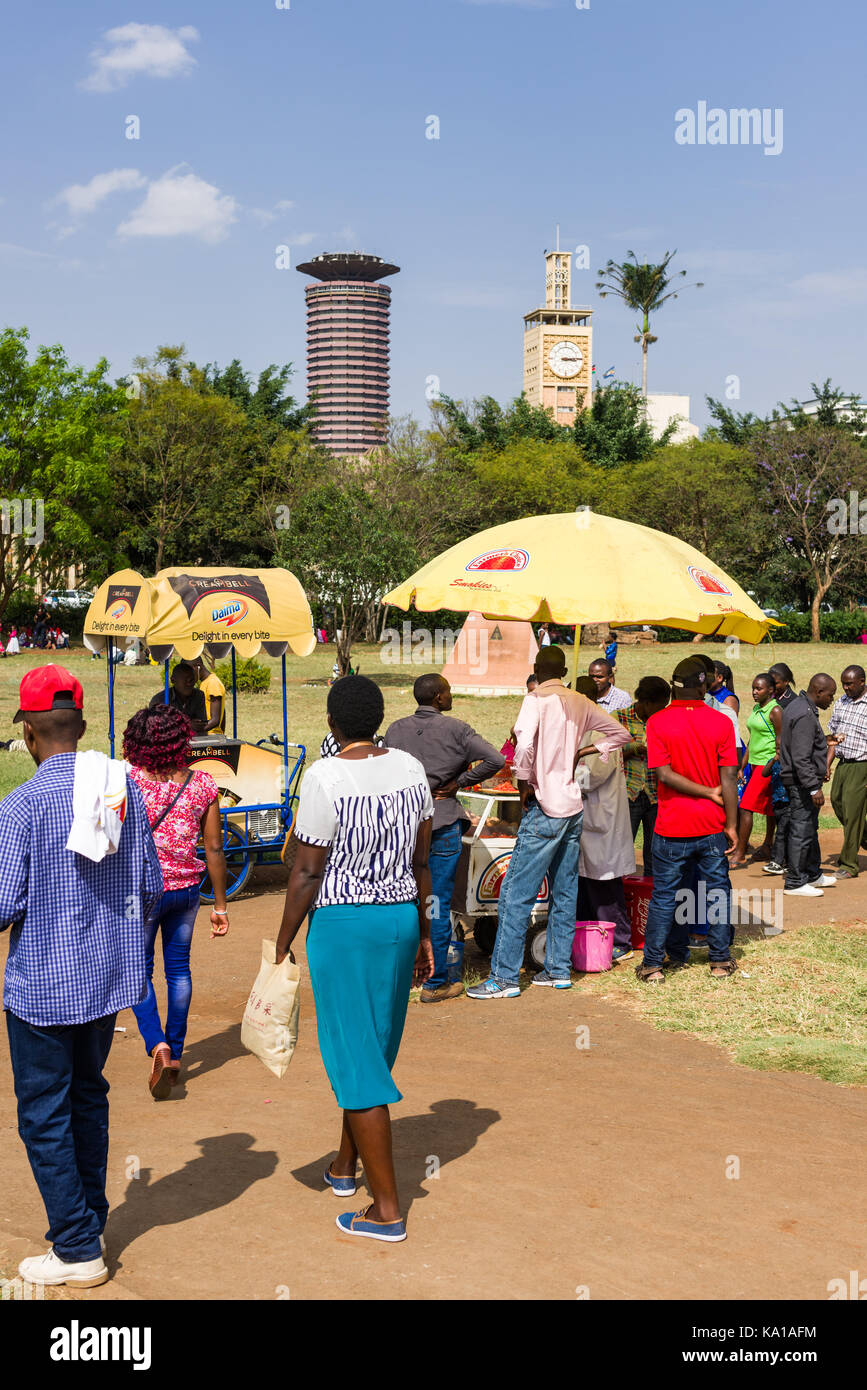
[348, 348]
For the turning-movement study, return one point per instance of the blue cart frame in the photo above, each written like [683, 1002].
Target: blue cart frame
[241, 850]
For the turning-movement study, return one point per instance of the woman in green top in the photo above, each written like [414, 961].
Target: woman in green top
[763, 728]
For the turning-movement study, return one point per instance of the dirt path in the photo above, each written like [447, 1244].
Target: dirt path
[559, 1167]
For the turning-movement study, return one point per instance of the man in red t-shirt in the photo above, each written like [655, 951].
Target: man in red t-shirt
[692, 749]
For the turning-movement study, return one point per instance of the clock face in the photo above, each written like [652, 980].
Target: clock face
[565, 359]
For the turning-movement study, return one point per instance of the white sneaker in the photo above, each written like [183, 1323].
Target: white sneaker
[50, 1269]
[823, 881]
[806, 891]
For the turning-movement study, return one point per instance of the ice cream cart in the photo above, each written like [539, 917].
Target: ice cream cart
[494, 810]
[185, 611]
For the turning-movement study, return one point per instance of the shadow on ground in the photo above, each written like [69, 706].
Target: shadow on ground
[423, 1144]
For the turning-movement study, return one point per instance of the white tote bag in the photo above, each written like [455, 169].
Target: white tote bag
[270, 1026]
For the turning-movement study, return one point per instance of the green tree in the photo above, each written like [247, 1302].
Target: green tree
[809, 476]
[348, 544]
[533, 478]
[615, 429]
[485, 424]
[268, 402]
[644, 288]
[59, 428]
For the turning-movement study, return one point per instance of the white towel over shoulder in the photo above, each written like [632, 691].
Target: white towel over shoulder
[98, 805]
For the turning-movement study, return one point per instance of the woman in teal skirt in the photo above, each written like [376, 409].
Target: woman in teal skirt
[363, 829]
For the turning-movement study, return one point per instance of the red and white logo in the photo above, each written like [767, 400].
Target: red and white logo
[708, 583]
[502, 559]
[120, 610]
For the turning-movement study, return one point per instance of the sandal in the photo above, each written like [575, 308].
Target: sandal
[650, 974]
[719, 969]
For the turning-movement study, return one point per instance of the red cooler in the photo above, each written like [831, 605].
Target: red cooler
[638, 891]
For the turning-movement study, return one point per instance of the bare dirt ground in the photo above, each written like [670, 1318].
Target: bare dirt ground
[529, 1167]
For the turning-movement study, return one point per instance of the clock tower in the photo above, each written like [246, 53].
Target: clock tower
[558, 344]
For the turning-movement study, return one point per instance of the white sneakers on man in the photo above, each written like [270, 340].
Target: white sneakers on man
[805, 891]
[823, 881]
[50, 1269]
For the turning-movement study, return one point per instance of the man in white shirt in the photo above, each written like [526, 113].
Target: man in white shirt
[553, 731]
[608, 696]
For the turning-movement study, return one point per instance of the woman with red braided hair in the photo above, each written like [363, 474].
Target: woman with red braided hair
[181, 805]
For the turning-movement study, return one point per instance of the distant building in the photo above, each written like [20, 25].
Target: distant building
[348, 349]
[558, 346]
[844, 409]
[662, 408]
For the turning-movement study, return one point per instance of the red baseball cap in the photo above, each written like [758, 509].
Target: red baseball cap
[46, 688]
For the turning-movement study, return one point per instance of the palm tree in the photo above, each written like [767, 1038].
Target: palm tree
[644, 288]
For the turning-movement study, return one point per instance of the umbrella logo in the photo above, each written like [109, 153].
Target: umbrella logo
[501, 560]
[120, 610]
[233, 611]
[708, 583]
[491, 881]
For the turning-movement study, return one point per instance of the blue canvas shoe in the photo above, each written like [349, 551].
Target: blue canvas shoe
[622, 953]
[341, 1187]
[355, 1223]
[493, 989]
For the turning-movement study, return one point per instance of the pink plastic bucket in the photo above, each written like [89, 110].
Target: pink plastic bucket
[592, 946]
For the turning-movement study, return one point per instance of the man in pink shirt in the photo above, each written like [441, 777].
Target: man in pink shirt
[552, 730]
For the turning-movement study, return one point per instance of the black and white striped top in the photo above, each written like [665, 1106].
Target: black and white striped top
[368, 810]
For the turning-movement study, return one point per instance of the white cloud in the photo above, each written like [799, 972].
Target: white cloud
[847, 286]
[182, 205]
[82, 198]
[265, 216]
[134, 50]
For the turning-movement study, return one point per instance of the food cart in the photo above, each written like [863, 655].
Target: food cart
[494, 810]
[185, 611]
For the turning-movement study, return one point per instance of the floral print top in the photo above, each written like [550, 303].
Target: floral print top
[178, 833]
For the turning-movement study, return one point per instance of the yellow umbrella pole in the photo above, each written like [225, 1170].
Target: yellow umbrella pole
[575, 655]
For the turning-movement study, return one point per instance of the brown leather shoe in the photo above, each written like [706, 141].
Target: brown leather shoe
[436, 996]
[160, 1082]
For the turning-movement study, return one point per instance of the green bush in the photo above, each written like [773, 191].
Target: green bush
[251, 676]
[842, 626]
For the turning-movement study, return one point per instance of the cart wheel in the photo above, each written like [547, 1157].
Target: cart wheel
[485, 934]
[237, 867]
[536, 943]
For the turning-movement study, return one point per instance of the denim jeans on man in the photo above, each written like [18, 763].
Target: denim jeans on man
[63, 1121]
[642, 811]
[545, 845]
[803, 855]
[176, 916]
[669, 917]
[445, 851]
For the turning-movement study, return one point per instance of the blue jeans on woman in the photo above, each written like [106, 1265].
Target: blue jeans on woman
[445, 851]
[545, 845]
[63, 1121]
[678, 863]
[176, 916]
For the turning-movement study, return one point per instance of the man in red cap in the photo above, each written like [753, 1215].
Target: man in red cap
[76, 957]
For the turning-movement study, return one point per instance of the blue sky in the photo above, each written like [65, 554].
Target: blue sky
[306, 126]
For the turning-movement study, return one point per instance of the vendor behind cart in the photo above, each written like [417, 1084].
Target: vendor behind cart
[215, 696]
[446, 749]
[184, 696]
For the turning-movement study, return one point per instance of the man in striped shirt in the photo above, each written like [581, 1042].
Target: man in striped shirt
[76, 957]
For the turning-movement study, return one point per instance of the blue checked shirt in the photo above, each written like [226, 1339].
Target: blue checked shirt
[77, 948]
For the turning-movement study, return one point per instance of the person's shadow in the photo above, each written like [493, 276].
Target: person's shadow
[209, 1053]
[227, 1166]
[422, 1145]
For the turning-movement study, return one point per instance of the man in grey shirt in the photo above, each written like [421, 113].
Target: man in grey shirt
[446, 748]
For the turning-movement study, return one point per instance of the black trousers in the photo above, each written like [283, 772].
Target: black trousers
[803, 856]
[642, 811]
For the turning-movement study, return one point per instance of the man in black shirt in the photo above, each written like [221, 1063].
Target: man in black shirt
[445, 748]
[804, 767]
[185, 696]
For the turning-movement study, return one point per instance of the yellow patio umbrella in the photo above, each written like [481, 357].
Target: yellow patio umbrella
[580, 567]
[187, 609]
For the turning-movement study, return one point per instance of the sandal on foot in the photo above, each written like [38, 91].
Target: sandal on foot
[650, 974]
[720, 968]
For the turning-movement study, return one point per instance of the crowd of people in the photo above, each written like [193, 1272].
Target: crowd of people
[379, 831]
[43, 633]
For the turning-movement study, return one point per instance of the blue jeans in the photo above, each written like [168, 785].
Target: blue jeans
[176, 915]
[445, 851]
[698, 859]
[63, 1121]
[545, 845]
